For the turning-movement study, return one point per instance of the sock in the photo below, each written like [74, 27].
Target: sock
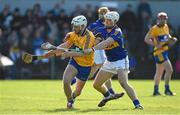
[156, 88]
[73, 81]
[136, 102]
[111, 91]
[106, 94]
[166, 87]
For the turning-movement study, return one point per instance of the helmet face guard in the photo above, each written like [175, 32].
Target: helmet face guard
[79, 23]
[113, 16]
[162, 18]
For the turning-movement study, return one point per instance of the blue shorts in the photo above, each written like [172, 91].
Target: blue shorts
[83, 72]
[159, 59]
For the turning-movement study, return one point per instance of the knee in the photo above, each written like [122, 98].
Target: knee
[66, 82]
[170, 71]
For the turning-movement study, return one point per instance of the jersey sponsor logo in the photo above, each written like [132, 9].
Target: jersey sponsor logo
[115, 44]
[163, 38]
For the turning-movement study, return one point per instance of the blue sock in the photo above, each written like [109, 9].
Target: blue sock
[73, 81]
[136, 102]
[111, 91]
[106, 94]
[156, 88]
[166, 87]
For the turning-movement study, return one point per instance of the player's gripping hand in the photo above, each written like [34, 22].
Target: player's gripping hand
[87, 51]
[159, 46]
[171, 41]
[66, 55]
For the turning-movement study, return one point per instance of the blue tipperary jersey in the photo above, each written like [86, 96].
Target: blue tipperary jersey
[115, 51]
[93, 27]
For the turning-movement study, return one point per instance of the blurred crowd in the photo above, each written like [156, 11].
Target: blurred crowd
[26, 32]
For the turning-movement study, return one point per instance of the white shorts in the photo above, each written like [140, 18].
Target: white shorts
[99, 57]
[113, 67]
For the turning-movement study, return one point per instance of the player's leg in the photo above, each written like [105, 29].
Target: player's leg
[79, 86]
[108, 84]
[167, 77]
[123, 80]
[99, 81]
[101, 77]
[81, 77]
[69, 73]
[157, 78]
[94, 69]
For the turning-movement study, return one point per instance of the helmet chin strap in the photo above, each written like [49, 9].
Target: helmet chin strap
[82, 31]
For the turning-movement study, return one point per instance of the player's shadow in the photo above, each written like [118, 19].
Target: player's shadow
[77, 110]
[60, 110]
[98, 110]
[87, 99]
[149, 96]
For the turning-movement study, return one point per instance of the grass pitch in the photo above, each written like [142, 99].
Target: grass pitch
[47, 97]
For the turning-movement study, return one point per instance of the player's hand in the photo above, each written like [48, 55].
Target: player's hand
[159, 46]
[87, 51]
[57, 51]
[66, 55]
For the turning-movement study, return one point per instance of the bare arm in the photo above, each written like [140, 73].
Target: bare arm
[76, 54]
[57, 52]
[72, 54]
[98, 40]
[148, 39]
[102, 45]
[66, 44]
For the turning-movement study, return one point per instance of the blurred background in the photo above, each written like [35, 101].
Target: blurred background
[26, 24]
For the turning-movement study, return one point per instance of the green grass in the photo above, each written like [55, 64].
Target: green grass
[47, 97]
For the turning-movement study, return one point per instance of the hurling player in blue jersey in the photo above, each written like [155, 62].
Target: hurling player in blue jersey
[117, 60]
[100, 57]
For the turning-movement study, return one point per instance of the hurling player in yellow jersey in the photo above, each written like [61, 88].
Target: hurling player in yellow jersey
[158, 36]
[80, 63]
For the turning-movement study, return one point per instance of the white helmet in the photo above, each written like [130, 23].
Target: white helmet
[162, 14]
[79, 20]
[112, 15]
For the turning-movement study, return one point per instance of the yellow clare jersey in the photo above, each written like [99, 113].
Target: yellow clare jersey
[160, 35]
[87, 40]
